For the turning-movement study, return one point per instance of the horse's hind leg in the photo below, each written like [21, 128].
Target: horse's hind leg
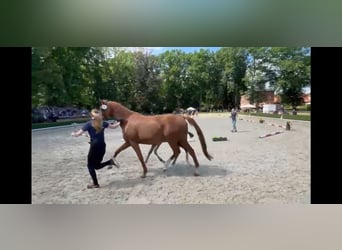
[176, 157]
[137, 150]
[191, 151]
[155, 152]
[186, 157]
[176, 152]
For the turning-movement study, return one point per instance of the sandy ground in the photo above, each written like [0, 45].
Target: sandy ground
[246, 169]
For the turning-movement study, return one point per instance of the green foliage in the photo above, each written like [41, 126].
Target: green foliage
[293, 70]
[234, 66]
[80, 76]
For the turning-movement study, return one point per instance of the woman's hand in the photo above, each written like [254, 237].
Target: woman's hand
[77, 133]
[114, 125]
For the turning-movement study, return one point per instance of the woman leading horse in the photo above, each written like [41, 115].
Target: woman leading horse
[154, 130]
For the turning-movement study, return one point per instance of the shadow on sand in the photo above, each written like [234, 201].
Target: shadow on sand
[188, 171]
[181, 170]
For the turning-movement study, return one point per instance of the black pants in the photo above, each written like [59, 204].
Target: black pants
[95, 156]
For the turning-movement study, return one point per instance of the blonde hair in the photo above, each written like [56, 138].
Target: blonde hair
[96, 119]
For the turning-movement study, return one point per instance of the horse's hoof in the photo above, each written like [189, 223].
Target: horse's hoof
[143, 175]
[114, 162]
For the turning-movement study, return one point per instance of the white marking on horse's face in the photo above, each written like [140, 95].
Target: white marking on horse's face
[104, 107]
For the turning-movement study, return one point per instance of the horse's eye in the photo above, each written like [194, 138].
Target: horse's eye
[104, 107]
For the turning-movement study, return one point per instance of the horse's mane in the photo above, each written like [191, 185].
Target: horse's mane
[120, 105]
[120, 110]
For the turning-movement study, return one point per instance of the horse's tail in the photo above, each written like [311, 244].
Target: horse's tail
[193, 123]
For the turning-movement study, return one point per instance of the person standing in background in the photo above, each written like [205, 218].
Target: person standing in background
[233, 116]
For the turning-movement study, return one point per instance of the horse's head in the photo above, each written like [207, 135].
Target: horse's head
[111, 109]
[105, 109]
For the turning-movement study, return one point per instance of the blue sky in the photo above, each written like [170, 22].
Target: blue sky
[159, 50]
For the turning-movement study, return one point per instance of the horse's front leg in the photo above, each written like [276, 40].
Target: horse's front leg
[167, 163]
[137, 150]
[121, 148]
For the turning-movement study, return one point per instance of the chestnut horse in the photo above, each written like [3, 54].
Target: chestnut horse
[153, 130]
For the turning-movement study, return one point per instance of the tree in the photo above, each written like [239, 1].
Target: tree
[292, 67]
[199, 75]
[147, 82]
[173, 66]
[122, 76]
[47, 80]
[257, 74]
[80, 76]
[76, 64]
[234, 65]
